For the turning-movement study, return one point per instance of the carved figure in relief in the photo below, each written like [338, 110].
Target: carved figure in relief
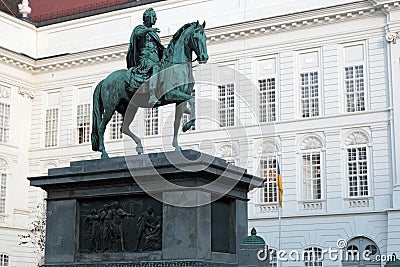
[95, 232]
[154, 237]
[118, 215]
[107, 232]
[147, 222]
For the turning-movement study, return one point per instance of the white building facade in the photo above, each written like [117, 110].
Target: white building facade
[313, 85]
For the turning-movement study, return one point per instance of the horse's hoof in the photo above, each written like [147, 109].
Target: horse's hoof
[178, 148]
[188, 124]
[139, 150]
[104, 155]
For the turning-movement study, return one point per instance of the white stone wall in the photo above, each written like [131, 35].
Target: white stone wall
[85, 51]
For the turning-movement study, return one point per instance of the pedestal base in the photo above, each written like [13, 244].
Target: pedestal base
[98, 214]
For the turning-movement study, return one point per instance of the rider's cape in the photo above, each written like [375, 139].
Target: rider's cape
[132, 57]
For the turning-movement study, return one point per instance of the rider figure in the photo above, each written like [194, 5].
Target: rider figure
[145, 51]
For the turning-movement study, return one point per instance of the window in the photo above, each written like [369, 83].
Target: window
[357, 171]
[358, 250]
[4, 260]
[357, 164]
[272, 258]
[309, 83]
[115, 126]
[267, 103]
[354, 82]
[268, 172]
[83, 123]
[3, 189]
[51, 132]
[4, 122]
[309, 94]
[312, 257]
[354, 77]
[226, 97]
[151, 121]
[311, 174]
[311, 168]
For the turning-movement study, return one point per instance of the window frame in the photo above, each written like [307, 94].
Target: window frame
[88, 126]
[298, 85]
[313, 263]
[342, 75]
[311, 144]
[304, 180]
[2, 259]
[57, 134]
[273, 261]
[3, 175]
[351, 140]
[115, 126]
[265, 75]
[357, 146]
[227, 109]
[5, 138]
[152, 124]
[268, 157]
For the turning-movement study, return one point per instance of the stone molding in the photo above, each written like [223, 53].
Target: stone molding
[356, 138]
[3, 165]
[268, 207]
[26, 92]
[5, 92]
[310, 142]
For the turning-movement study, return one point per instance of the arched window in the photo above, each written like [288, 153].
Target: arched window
[312, 256]
[4, 260]
[311, 168]
[228, 153]
[268, 169]
[3, 185]
[357, 164]
[361, 251]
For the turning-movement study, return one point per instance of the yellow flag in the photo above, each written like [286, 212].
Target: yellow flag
[279, 184]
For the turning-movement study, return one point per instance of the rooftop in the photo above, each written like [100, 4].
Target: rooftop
[46, 12]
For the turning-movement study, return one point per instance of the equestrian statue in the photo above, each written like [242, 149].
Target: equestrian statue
[155, 76]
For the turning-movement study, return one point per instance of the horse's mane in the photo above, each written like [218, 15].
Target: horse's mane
[179, 32]
[169, 50]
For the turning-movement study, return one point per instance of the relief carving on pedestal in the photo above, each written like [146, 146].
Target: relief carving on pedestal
[120, 225]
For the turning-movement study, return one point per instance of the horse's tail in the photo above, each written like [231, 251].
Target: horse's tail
[97, 115]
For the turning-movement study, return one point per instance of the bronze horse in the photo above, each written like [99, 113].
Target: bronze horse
[175, 85]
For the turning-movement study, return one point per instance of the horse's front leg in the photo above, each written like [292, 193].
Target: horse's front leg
[192, 117]
[178, 116]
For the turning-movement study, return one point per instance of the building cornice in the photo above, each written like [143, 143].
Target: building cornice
[244, 30]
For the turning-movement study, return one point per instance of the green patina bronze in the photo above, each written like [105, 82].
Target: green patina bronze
[156, 76]
[253, 239]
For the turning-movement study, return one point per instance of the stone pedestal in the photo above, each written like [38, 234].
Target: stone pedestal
[163, 209]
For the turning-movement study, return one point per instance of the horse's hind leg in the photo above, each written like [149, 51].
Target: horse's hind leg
[106, 118]
[128, 118]
[178, 116]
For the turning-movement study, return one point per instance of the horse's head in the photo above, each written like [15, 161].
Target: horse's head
[197, 42]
